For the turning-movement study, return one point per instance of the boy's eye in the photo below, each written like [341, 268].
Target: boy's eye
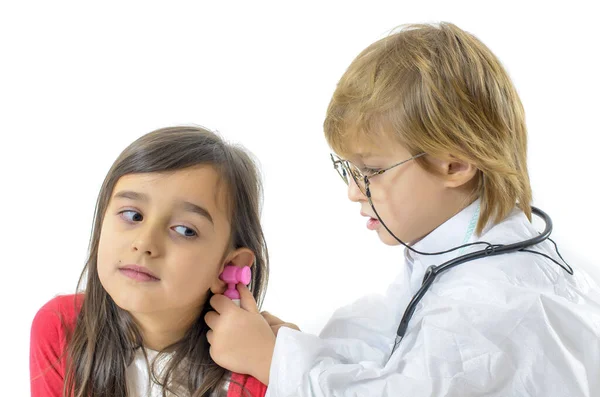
[131, 216]
[357, 172]
[369, 171]
[185, 231]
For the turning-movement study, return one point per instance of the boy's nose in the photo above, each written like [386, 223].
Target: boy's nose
[354, 193]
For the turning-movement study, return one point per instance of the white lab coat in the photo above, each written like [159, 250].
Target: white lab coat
[510, 325]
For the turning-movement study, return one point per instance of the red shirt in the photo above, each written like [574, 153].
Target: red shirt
[47, 355]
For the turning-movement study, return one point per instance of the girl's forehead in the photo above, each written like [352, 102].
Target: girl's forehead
[188, 179]
[200, 184]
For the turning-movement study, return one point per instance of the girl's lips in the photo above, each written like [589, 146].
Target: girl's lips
[139, 273]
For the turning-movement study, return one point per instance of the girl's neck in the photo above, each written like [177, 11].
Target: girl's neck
[160, 330]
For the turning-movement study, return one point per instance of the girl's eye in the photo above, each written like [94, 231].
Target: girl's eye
[131, 216]
[185, 231]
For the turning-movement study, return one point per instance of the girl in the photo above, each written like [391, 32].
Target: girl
[430, 137]
[176, 207]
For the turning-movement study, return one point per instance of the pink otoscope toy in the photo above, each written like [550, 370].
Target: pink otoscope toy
[233, 275]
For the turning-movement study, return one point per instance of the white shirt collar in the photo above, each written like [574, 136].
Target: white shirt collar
[458, 230]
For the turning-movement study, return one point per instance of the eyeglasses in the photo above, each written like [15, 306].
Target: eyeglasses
[345, 168]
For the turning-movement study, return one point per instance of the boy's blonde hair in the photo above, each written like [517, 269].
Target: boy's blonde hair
[437, 89]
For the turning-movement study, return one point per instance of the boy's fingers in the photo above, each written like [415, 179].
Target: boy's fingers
[210, 319]
[221, 303]
[271, 319]
[275, 328]
[247, 301]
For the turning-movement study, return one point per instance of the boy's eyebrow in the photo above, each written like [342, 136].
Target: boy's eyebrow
[185, 205]
[369, 155]
[374, 155]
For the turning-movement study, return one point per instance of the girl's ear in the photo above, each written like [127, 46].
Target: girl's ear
[240, 257]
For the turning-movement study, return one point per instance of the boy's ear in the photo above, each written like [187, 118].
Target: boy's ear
[240, 257]
[457, 172]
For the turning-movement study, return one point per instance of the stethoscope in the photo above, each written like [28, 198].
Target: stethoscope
[490, 250]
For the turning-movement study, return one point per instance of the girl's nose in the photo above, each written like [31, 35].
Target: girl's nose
[146, 242]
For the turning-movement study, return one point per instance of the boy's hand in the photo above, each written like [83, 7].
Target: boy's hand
[240, 339]
[276, 322]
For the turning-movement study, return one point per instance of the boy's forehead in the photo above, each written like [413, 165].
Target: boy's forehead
[368, 148]
[354, 145]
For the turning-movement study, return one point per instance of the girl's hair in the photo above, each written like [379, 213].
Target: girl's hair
[437, 89]
[105, 337]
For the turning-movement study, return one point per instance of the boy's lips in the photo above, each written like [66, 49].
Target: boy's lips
[139, 273]
[373, 223]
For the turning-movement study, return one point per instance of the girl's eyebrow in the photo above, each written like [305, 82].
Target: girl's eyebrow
[131, 195]
[185, 205]
[191, 207]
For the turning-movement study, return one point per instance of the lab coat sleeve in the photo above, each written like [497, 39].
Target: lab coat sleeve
[488, 344]
[306, 365]
[371, 320]
[354, 344]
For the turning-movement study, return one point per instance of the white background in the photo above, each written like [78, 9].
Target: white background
[78, 83]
